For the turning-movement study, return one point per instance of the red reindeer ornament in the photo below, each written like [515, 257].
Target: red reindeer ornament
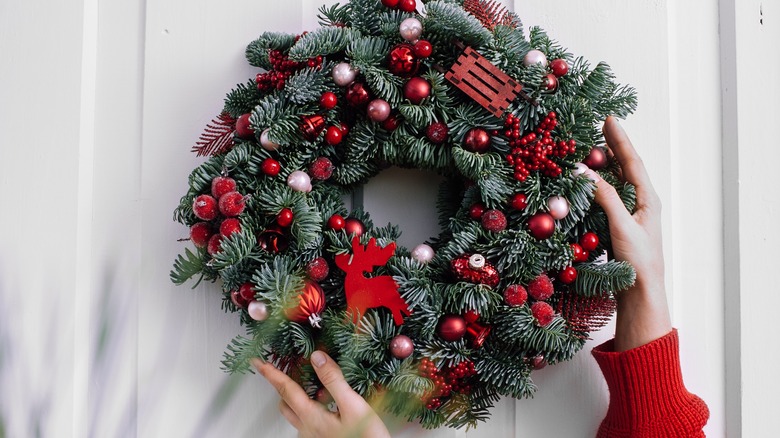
[368, 293]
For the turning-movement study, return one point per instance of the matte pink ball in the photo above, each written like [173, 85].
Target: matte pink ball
[378, 110]
[535, 57]
[299, 181]
[422, 253]
[344, 74]
[411, 29]
[266, 142]
[558, 206]
[258, 310]
[401, 347]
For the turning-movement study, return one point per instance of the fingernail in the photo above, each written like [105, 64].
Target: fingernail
[592, 175]
[318, 358]
[617, 123]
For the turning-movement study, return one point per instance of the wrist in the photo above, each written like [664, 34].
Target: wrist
[642, 316]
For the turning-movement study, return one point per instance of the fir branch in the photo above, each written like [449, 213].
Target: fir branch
[234, 249]
[187, 266]
[323, 41]
[508, 375]
[257, 50]
[368, 52]
[242, 99]
[599, 279]
[307, 85]
[450, 20]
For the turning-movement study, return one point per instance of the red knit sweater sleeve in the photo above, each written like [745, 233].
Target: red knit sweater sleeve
[647, 396]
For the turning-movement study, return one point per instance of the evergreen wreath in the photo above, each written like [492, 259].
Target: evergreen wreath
[520, 273]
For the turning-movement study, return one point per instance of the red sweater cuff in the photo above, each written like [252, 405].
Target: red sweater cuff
[647, 394]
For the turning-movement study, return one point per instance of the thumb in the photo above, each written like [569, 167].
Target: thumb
[331, 377]
[607, 197]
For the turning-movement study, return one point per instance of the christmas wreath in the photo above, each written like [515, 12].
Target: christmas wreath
[520, 272]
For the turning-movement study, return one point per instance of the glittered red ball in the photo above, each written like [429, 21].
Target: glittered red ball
[392, 4]
[328, 100]
[494, 220]
[541, 225]
[309, 304]
[589, 241]
[402, 61]
[437, 132]
[318, 269]
[407, 5]
[401, 347]
[476, 140]
[285, 217]
[229, 226]
[476, 211]
[474, 268]
[423, 49]
[215, 244]
[580, 255]
[358, 95]
[354, 227]
[200, 233]
[559, 67]
[247, 292]
[451, 328]
[321, 169]
[205, 207]
[597, 159]
[568, 275]
[541, 287]
[336, 222]
[232, 204]
[551, 82]
[243, 128]
[519, 201]
[515, 295]
[416, 90]
[333, 136]
[270, 167]
[390, 123]
[221, 185]
[543, 313]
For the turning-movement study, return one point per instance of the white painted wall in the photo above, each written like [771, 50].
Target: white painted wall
[100, 102]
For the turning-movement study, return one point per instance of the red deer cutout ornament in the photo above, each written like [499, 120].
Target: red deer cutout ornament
[368, 293]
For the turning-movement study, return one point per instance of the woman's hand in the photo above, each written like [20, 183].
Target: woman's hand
[312, 419]
[642, 310]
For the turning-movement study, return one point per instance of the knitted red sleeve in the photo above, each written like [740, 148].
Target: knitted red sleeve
[647, 394]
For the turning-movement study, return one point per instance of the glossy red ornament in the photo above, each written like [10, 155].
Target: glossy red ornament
[392, 4]
[390, 123]
[451, 328]
[597, 159]
[329, 100]
[200, 233]
[333, 136]
[236, 298]
[273, 240]
[344, 128]
[232, 204]
[229, 226]
[247, 292]
[354, 227]
[476, 211]
[401, 347]
[243, 128]
[538, 362]
[515, 295]
[221, 185]
[473, 268]
[541, 225]
[494, 220]
[407, 5]
[402, 61]
[580, 255]
[284, 218]
[270, 167]
[568, 275]
[317, 269]
[358, 95]
[423, 49]
[559, 67]
[312, 126]
[551, 82]
[308, 305]
[437, 132]
[519, 201]
[416, 90]
[476, 140]
[589, 241]
[205, 207]
[336, 222]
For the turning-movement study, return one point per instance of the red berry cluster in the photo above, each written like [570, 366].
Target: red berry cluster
[282, 67]
[224, 200]
[534, 150]
[446, 381]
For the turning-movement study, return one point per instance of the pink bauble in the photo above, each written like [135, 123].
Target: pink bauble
[266, 142]
[423, 253]
[579, 169]
[378, 110]
[558, 206]
[299, 181]
[535, 57]
[258, 310]
[411, 29]
[344, 74]
[401, 347]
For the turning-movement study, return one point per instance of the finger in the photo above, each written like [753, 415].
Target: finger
[331, 377]
[631, 164]
[295, 397]
[607, 197]
[291, 416]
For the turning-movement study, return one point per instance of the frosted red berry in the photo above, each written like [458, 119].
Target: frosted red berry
[229, 226]
[551, 82]
[317, 269]
[568, 275]
[589, 241]
[221, 185]
[232, 204]
[284, 218]
[205, 207]
[336, 222]
[215, 244]
[270, 167]
[200, 233]
[540, 288]
[515, 295]
[328, 100]
[321, 169]
[543, 313]
[494, 220]
[333, 135]
[437, 132]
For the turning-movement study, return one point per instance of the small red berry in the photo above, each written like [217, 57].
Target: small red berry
[589, 241]
[215, 244]
[580, 255]
[515, 295]
[270, 167]
[205, 207]
[200, 233]
[317, 269]
[285, 217]
[543, 313]
[519, 201]
[568, 275]
[476, 211]
[407, 5]
[423, 49]
[221, 185]
[247, 292]
[336, 222]
[559, 67]
[328, 100]
[232, 204]
[540, 288]
[392, 4]
[229, 226]
[333, 136]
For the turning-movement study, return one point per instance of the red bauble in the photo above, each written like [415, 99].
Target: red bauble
[538, 362]
[416, 90]
[515, 295]
[270, 167]
[354, 227]
[476, 211]
[423, 49]
[437, 132]
[473, 268]
[543, 313]
[285, 217]
[200, 233]
[390, 123]
[402, 61]
[589, 241]
[243, 128]
[229, 226]
[559, 67]
[344, 128]
[309, 305]
[273, 240]
[333, 136]
[358, 95]
[328, 100]
[451, 328]
[541, 287]
[232, 204]
[580, 255]
[551, 82]
[215, 244]
[247, 292]
[597, 159]
[476, 140]
[519, 201]
[312, 126]
[392, 4]
[401, 347]
[205, 207]
[568, 275]
[321, 169]
[235, 296]
[407, 5]
[323, 396]
[336, 222]
[541, 225]
[221, 185]
[318, 269]
[494, 220]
